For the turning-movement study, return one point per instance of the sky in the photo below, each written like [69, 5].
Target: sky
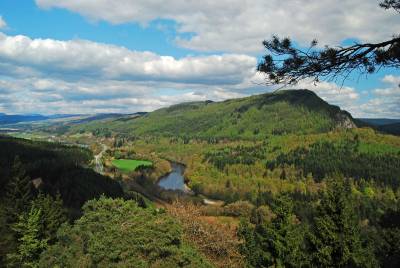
[125, 56]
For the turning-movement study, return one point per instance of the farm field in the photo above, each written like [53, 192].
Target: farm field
[128, 165]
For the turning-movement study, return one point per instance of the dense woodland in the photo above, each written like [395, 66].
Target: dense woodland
[42, 185]
[324, 200]
[57, 212]
[60, 169]
[324, 159]
[289, 201]
[251, 118]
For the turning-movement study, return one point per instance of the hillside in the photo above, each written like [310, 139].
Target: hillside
[59, 169]
[283, 112]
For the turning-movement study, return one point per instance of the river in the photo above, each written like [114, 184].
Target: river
[174, 180]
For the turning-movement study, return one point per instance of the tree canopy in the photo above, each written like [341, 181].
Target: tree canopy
[286, 64]
[118, 233]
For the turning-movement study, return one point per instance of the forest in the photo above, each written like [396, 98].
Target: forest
[319, 194]
[315, 200]
[324, 159]
[321, 200]
[57, 212]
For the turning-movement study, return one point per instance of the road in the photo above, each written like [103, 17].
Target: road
[97, 158]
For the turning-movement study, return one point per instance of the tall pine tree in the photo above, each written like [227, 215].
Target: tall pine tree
[29, 229]
[19, 192]
[278, 243]
[335, 240]
[53, 215]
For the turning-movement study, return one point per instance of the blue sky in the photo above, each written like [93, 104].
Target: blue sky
[95, 56]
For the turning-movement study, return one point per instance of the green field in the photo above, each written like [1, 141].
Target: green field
[130, 165]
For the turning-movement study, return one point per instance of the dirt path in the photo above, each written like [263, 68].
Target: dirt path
[97, 158]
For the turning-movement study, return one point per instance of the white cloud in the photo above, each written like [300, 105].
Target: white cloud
[3, 23]
[240, 26]
[48, 96]
[379, 103]
[391, 79]
[386, 101]
[80, 58]
[78, 76]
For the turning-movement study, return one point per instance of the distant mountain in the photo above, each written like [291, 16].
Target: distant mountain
[12, 119]
[59, 116]
[283, 112]
[393, 129]
[379, 121]
[97, 117]
[386, 125]
[6, 119]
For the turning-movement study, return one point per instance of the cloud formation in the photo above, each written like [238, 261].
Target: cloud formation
[385, 102]
[80, 76]
[80, 58]
[39, 95]
[240, 26]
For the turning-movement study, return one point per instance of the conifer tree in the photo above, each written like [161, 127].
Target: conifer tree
[249, 247]
[335, 240]
[30, 245]
[19, 192]
[275, 244]
[53, 214]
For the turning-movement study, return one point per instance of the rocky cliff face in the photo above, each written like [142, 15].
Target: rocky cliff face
[344, 121]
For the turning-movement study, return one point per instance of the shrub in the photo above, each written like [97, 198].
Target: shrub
[239, 209]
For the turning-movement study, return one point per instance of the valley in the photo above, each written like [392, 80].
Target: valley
[199, 134]
[225, 169]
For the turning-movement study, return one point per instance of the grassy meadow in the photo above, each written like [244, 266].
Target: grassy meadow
[129, 165]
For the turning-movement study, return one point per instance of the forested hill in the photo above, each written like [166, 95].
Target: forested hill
[59, 169]
[254, 117]
[283, 112]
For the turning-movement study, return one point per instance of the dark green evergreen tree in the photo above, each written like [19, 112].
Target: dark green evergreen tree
[278, 243]
[249, 248]
[19, 192]
[29, 229]
[387, 238]
[335, 240]
[53, 215]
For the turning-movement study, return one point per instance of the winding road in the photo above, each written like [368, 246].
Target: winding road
[97, 158]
